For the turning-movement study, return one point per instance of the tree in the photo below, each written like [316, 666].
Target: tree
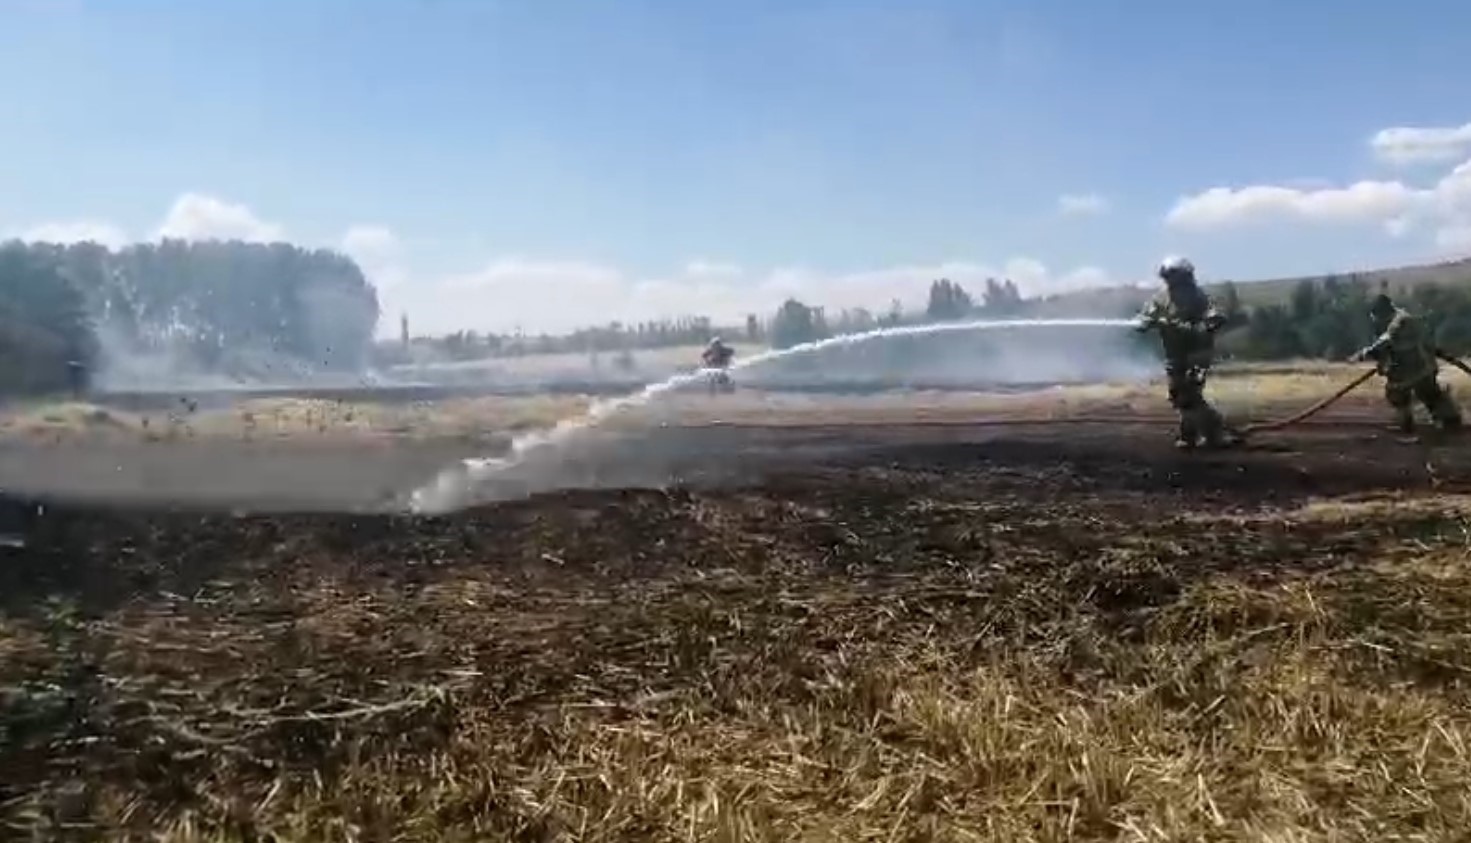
[240, 309]
[1304, 300]
[1001, 298]
[46, 332]
[855, 321]
[1272, 334]
[795, 323]
[1230, 303]
[948, 301]
[895, 316]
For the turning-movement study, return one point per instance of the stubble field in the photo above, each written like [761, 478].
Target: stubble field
[837, 621]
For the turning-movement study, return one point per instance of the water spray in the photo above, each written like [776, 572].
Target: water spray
[453, 486]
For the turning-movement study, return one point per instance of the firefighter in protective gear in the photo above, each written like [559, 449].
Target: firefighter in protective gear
[718, 356]
[1186, 322]
[1404, 354]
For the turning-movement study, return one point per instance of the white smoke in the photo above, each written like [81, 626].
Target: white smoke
[454, 487]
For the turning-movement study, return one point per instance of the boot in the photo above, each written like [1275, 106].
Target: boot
[1226, 438]
[1404, 421]
[1448, 416]
[1189, 436]
[1216, 433]
[1447, 413]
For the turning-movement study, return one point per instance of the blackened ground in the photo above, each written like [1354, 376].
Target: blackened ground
[179, 542]
[348, 475]
[1007, 633]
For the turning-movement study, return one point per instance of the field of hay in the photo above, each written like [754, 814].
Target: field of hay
[920, 633]
[1244, 389]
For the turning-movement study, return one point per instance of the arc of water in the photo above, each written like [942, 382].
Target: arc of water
[445, 491]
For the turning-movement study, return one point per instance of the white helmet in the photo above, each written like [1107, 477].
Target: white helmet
[1175, 266]
[716, 342]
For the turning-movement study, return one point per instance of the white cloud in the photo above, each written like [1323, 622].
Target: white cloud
[557, 296]
[371, 243]
[1082, 204]
[560, 295]
[192, 216]
[1308, 183]
[378, 252]
[1365, 201]
[711, 268]
[1455, 238]
[195, 216]
[1407, 145]
[78, 231]
[1440, 211]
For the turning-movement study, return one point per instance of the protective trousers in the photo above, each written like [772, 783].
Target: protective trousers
[1198, 419]
[1401, 395]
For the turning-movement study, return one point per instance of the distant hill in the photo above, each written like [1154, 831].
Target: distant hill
[1122, 300]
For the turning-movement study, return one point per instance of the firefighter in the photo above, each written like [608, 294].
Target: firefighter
[1186, 322]
[1404, 354]
[718, 356]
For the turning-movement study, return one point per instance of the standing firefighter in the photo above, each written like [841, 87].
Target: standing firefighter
[717, 356]
[1405, 356]
[1187, 321]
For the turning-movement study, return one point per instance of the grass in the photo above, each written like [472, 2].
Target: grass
[889, 654]
[1253, 389]
[1242, 389]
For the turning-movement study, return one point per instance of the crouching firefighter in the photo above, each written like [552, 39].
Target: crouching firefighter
[1186, 321]
[717, 357]
[1405, 356]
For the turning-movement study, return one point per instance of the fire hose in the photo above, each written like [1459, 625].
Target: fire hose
[1453, 360]
[1256, 427]
[1278, 424]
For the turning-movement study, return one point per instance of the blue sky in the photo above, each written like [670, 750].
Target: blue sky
[551, 162]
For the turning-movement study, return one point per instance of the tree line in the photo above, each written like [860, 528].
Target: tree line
[795, 322]
[614, 337]
[1324, 318]
[229, 308]
[1329, 318]
[250, 310]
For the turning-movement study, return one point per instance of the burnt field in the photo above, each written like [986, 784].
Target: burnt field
[908, 633]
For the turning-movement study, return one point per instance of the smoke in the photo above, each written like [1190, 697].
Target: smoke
[954, 360]
[538, 460]
[1003, 355]
[186, 359]
[184, 353]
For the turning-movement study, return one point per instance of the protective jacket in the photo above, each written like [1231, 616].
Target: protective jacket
[1403, 351]
[718, 356]
[1186, 321]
